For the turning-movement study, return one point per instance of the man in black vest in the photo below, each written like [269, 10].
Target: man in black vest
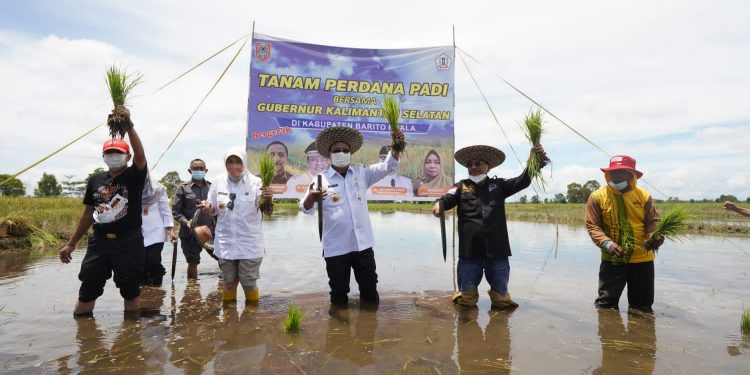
[483, 233]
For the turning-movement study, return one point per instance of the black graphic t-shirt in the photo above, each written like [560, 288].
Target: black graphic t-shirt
[116, 200]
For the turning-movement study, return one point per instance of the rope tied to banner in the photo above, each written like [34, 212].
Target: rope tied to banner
[58, 150]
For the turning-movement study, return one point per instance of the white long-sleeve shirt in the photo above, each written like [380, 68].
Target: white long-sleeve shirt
[239, 233]
[346, 222]
[157, 220]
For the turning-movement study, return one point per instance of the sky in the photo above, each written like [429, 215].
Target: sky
[664, 82]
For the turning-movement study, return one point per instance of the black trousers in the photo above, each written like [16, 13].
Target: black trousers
[153, 271]
[124, 256]
[639, 277]
[339, 269]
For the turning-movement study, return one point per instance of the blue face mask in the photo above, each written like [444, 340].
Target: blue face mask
[620, 186]
[198, 175]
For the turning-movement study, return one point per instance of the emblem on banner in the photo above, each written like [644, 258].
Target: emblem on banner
[263, 51]
[443, 62]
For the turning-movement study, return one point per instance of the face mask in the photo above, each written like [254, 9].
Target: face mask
[478, 179]
[340, 159]
[618, 186]
[115, 161]
[198, 175]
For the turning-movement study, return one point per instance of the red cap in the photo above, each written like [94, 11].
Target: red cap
[116, 144]
[622, 162]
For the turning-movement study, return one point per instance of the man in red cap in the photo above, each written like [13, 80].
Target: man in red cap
[619, 217]
[113, 206]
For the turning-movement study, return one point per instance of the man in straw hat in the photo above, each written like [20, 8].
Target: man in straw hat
[483, 233]
[619, 218]
[347, 232]
[233, 198]
[113, 206]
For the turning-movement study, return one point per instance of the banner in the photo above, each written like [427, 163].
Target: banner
[298, 89]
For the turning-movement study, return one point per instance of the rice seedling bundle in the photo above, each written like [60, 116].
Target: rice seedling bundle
[293, 320]
[673, 226]
[120, 85]
[267, 167]
[533, 130]
[745, 322]
[392, 112]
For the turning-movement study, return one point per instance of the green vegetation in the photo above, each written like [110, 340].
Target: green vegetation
[745, 322]
[392, 112]
[673, 225]
[120, 84]
[533, 130]
[11, 186]
[48, 186]
[267, 169]
[293, 320]
[59, 216]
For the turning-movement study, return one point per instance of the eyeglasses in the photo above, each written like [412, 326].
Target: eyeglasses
[476, 163]
[336, 151]
[230, 205]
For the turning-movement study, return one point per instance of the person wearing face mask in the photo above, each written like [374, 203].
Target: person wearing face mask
[187, 196]
[238, 239]
[620, 217]
[113, 201]
[483, 245]
[347, 232]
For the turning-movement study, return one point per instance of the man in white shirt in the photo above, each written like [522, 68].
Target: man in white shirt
[393, 186]
[157, 228]
[316, 164]
[347, 232]
[238, 241]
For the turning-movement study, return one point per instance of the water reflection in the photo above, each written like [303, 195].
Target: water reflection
[487, 352]
[627, 350]
[186, 329]
[350, 339]
[193, 329]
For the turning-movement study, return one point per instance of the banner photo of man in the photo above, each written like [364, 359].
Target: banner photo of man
[298, 89]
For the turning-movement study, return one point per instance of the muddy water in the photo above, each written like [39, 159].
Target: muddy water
[701, 287]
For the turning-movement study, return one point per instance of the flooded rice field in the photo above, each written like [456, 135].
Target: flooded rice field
[701, 289]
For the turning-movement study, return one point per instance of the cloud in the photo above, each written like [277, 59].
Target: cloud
[668, 86]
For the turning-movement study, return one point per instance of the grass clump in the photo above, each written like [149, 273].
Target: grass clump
[533, 130]
[293, 320]
[267, 167]
[22, 226]
[745, 322]
[120, 84]
[392, 112]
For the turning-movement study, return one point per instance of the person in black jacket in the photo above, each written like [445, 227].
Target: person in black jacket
[483, 234]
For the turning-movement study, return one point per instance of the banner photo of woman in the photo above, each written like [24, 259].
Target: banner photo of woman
[298, 89]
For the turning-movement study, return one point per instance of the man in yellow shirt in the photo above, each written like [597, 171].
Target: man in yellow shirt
[619, 217]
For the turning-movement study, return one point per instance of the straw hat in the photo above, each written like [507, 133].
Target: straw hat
[487, 154]
[328, 137]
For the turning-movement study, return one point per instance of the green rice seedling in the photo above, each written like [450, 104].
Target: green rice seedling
[267, 167]
[120, 85]
[391, 111]
[533, 130]
[745, 322]
[673, 225]
[293, 320]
